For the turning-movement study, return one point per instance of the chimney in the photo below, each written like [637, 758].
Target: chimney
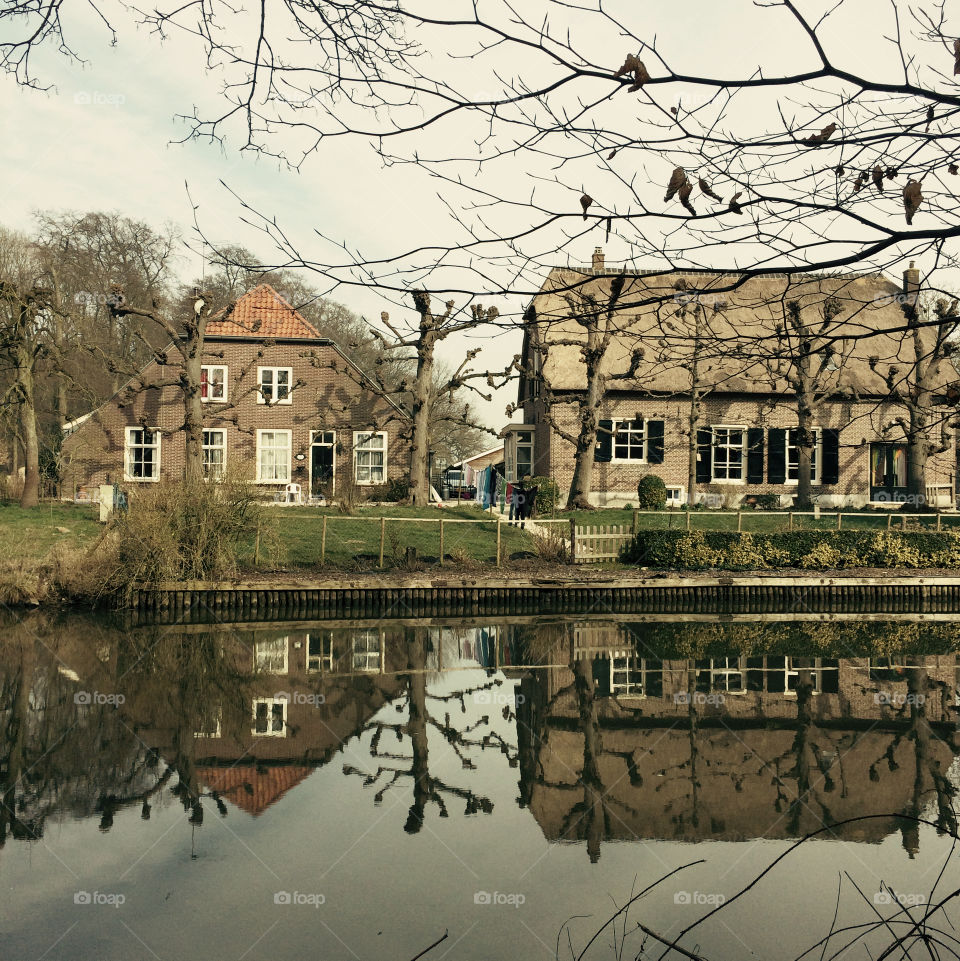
[598, 260]
[911, 284]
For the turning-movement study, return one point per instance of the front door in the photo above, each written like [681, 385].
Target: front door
[322, 447]
[888, 472]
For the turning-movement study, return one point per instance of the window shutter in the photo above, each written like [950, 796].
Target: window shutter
[704, 452]
[831, 456]
[777, 456]
[755, 455]
[604, 449]
[654, 441]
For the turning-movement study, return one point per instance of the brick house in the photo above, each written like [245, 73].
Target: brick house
[284, 405]
[746, 431]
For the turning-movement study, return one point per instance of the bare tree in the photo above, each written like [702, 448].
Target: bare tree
[916, 387]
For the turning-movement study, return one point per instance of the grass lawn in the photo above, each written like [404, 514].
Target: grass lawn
[31, 534]
[296, 535]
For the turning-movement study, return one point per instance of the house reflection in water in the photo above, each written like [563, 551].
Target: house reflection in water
[616, 746]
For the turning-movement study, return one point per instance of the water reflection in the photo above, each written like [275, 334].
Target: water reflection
[615, 737]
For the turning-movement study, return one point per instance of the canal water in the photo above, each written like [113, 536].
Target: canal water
[361, 790]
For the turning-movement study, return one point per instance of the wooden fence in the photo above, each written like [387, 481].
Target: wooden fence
[592, 544]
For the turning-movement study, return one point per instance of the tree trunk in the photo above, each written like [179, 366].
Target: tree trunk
[30, 496]
[193, 413]
[806, 438]
[692, 447]
[420, 445]
[593, 823]
[582, 482]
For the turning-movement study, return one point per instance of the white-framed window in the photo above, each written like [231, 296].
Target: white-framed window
[274, 385]
[209, 723]
[630, 440]
[269, 717]
[270, 655]
[524, 454]
[366, 650]
[676, 496]
[319, 652]
[720, 674]
[141, 459]
[632, 676]
[729, 452]
[273, 456]
[370, 457]
[793, 455]
[214, 452]
[213, 383]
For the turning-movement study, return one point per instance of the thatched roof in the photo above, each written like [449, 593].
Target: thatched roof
[746, 336]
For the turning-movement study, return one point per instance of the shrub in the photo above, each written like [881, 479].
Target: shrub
[396, 489]
[806, 549]
[651, 493]
[179, 530]
[551, 546]
[548, 494]
[694, 553]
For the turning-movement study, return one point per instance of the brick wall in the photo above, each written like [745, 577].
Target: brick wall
[325, 400]
[616, 482]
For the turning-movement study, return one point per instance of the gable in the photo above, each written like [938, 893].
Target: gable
[261, 313]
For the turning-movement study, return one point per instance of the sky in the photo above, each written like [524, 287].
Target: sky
[103, 137]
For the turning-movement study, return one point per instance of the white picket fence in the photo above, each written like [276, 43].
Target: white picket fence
[592, 544]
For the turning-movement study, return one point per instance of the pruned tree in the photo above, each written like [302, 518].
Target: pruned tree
[591, 325]
[915, 384]
[424, 390]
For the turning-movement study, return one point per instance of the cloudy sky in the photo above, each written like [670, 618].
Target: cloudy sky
[103, 137]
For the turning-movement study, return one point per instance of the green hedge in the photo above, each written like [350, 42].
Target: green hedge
[808, 550]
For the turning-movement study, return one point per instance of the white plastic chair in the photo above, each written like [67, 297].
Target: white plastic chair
[293, 493]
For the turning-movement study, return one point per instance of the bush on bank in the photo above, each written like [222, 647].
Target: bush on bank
[806, 550]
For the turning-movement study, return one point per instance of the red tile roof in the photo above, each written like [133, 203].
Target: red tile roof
[260, 312]
[250, 789]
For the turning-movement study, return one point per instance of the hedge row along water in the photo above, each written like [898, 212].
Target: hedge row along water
[807, 550]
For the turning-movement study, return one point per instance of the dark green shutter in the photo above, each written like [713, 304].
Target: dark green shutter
[604, 449]
[704, 455]
[831, 456]
[755, 455]
[777, 456]
[654, 441]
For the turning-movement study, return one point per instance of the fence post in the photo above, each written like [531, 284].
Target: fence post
[636, 522]
[939, 515]
[839, 519]
[573, 541]
[889, 520]
[499, 528]
[256, 546]
[383, 530]
[790, 521]
[903, 522]
[739, 521]
[441, 542]
[323, 541]
[688, 520]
